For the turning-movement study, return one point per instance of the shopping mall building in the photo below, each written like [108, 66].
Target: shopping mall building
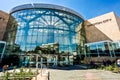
[102, 36]
[59, 35]
[3, 23]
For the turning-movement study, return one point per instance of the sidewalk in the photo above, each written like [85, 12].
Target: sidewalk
[88, 74]
[43, 76]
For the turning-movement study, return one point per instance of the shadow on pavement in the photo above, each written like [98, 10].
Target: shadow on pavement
[73, 67]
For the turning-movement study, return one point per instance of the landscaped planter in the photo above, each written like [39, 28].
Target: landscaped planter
[19, 74]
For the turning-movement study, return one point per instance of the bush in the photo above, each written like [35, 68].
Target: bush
[6, 75]
[22, 75]
[116, 68]
[109, 68]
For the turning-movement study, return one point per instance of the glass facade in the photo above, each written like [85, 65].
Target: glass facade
[102, 48]
[116, 47]
[43, 29]
[39, 26]
[2, 49]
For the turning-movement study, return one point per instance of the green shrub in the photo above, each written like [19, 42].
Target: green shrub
[29, 72]
[7, 74]
[109, 68]
[116, 68]
[22, 75]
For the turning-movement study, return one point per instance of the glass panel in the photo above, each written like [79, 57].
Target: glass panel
[93, 48]
[43, 26]
[1, 47]
[101, 48]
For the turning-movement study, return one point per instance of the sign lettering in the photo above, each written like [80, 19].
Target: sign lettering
[101, 22]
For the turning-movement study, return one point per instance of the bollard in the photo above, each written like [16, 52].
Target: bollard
[48, 75]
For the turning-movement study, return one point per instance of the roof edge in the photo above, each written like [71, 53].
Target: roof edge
[42, 5]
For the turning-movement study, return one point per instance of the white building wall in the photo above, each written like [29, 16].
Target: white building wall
[107, 25]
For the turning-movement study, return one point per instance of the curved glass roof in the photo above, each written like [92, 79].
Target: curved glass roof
[44, 6]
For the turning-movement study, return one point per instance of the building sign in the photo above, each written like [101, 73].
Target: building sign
[101, 22]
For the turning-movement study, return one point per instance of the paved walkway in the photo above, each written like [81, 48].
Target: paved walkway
[44, 76]
[76, 73]
[90, 74]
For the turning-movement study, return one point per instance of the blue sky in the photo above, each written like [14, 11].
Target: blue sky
[87, 8]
